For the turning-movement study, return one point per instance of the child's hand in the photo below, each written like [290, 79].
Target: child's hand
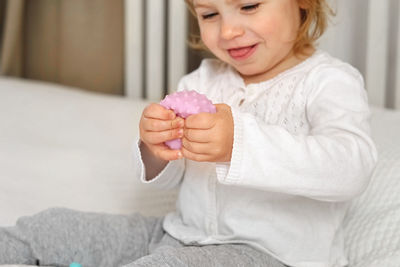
[209, 137]
[158, 125]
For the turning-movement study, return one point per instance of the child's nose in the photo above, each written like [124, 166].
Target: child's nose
[230, 29]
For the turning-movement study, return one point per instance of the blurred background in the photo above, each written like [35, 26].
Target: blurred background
[138, 48]
[77, 43]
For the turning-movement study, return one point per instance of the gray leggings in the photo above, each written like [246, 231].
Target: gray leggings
[58, 237]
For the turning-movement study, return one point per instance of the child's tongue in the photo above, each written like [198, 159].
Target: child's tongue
[239, 52]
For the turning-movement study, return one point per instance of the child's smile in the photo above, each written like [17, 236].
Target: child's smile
[242, 53]
[256, 37]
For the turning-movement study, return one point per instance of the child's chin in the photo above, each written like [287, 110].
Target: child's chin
[247, 71]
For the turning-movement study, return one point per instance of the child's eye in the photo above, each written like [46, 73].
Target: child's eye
[250, 7]
[209, 16]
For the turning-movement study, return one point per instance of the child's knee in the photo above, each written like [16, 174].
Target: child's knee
[38, 220]
[56, 211]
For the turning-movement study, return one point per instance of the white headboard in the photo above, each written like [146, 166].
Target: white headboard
[366, 33]
[155, 47]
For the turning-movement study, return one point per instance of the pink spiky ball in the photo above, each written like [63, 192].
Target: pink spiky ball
[184, 104]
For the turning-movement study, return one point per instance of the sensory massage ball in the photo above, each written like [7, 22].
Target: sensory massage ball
[184, 104]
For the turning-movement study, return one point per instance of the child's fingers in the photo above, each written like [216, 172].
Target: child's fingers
[168, 154]
[156, 125]
[163, 136]
[163, 152]
[156, 111]
[198, 148]
[195, 157]
[199, 136]
[200, 121]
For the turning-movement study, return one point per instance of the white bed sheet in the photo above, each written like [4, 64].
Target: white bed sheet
[64, 147]
[372, 224]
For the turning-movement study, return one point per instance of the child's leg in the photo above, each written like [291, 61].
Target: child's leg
[233, 255]
[60, 236]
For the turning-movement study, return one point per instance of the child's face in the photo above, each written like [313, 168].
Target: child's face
[256, 37]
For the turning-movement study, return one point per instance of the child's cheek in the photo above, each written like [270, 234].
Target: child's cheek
[209, 39]
[275, 31]
[268, 27]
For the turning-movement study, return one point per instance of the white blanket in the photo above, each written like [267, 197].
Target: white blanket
[64, 147]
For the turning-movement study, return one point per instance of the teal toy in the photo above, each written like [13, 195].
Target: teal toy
[75, 264]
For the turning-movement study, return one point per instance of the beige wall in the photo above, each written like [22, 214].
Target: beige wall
[75, 42]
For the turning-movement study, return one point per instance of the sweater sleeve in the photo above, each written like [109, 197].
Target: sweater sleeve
[168, 178]
[332, 163]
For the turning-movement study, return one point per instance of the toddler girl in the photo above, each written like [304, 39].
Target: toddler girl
[264, 181]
